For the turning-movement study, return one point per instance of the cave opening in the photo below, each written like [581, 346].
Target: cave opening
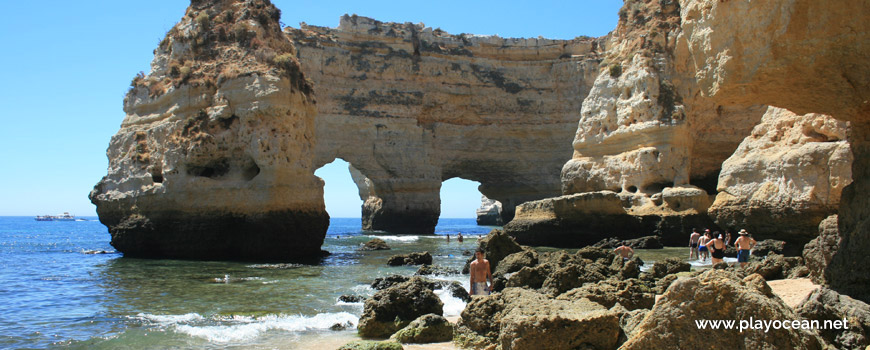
[460, 199]
[340, 193]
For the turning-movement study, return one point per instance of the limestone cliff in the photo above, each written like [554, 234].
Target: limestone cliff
[489, 212]
[643, 132]
[785, 177]
[806, 56]
[411, 106]
[214, 159]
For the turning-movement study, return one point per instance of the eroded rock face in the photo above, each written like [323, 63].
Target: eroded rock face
[410, 107]
[583, 219]
[785, 177]
[718, 295]
[522, 319]
[214, 159]
[489, 213]
[817, 253]
[808, 57]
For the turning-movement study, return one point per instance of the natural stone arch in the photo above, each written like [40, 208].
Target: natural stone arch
[410, 106]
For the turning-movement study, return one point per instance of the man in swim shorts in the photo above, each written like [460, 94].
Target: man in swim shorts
[480, 274]
[702, 245]
[744, 244]
[693, 243]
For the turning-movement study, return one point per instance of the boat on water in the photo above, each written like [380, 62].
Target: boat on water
[62, 217]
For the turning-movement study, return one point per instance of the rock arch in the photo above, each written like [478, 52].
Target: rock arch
[410, 106]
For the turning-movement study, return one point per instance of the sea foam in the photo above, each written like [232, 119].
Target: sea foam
[227, 329]
[397, 238]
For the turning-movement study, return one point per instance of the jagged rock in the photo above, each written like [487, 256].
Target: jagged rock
[631, 294]
[423, 258]
[516, 261]
[565, 278]
[348, 298]
[496, 246]
[427, 270]
[825, 304]
[647, 242]
[628, 322]
[410, 106]
[394, 308]
[669, 266]
[489, 213]
[381, 283]
[457, 291]
[717, 295]
[213, 159]
[371, 345]
[785, 177]
[768, 246]
[776, 266]
[626, 269]
[375, 244]
[522, 319]
[429, 328]
[531, 277]
[818, 252]
[599, 255]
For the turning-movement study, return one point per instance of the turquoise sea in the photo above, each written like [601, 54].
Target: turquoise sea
[57, 293]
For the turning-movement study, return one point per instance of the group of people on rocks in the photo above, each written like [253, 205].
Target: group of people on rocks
[713, 245]
[701, 246]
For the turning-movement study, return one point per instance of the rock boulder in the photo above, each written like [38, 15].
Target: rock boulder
[718, 295]
[395, 307]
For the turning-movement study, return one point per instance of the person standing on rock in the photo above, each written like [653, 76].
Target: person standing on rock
[693, 243]
[480, 274]
[717, 248]
[744, 244]
[625, 251]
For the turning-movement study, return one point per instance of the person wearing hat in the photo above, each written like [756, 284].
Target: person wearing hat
[744, 244]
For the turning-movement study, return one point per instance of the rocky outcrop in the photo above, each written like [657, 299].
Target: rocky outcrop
[375, 244]
[807, 57]
[214, 157]
[429, 328]
[424, 258]
[489, 213]
[518, 319]
[827, 305]
[718, 295]
[583, 219]
[818, 252]
[647, 242]
[496, 246]
[411, 106]
[669, 266]
[394, 308]
[785, 177]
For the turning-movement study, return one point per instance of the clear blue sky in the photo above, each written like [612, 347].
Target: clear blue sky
[66, 66]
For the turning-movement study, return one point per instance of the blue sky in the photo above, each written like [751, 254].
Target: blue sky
[66, 66]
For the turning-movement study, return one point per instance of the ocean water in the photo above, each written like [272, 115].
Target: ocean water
[63, 286]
